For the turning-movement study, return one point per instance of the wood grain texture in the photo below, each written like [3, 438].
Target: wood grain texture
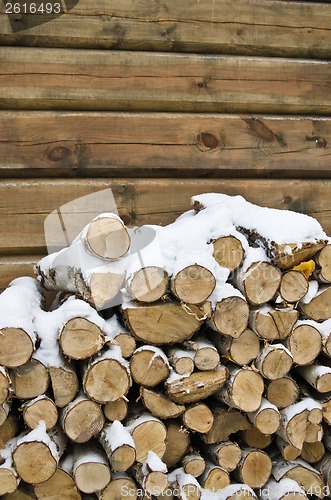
[253, 27]
[116, 80]
[25, 204]
[15, 267]
[63, 144]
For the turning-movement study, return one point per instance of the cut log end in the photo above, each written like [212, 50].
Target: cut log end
[64, 385]
[106, 380]
[8, 481]
[82, 421]
[40, 409]
[81, 339]
[293, 286]
[116, 410]
[92, 476]
[161, 324]
[246, 391]
[108, 238]
[193, 285]
[255, 468]
[149, 436]
[228, 252]
[282, 392]
[34, 462]
[230, 316]
[198, 418]
[149, 284]
[16, 347]
[261, 282]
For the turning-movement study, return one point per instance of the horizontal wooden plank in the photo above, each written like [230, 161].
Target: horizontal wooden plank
[254, 27]
[15, 267]
[102, 80]
[55, 144]
[24, 205]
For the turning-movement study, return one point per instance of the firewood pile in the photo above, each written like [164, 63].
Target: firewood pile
[194, 363]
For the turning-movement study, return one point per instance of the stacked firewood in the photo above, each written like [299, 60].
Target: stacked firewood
[187, 361]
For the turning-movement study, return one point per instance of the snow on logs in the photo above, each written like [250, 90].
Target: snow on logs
[213, 373]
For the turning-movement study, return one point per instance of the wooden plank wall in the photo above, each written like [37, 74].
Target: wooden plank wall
[160, 100]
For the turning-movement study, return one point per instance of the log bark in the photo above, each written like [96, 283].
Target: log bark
[149, 434]
[177, 443]
[90, 468]
[266, 418]
[193, 284]
[226, 454]
[254, 468]
[194, 464]
[80, 338]
[160, 324]
[107, 377]
[82, 419]
[116, 410]
[274, 361]
[293, 286]
[319, 307]
[159, 404]
[324, 467]
[149, 366]
[40, 408]
[287, 450]
[228, 252]
[119, 446]
[226, 422]
[148, 284]
[273, 323]
[198, 418]
[152, 476]
[243, 389]
[304, 474]
[214, 477]
[197, 386]
[36, 454]
[121, 486]
[282, 392]
[230, 316]
[185, 484]
[318, 376]
[304, 343]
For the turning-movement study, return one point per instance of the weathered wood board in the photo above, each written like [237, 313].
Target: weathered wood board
[24, 205]
[255, 27]
[118, 80]
[91, 144]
